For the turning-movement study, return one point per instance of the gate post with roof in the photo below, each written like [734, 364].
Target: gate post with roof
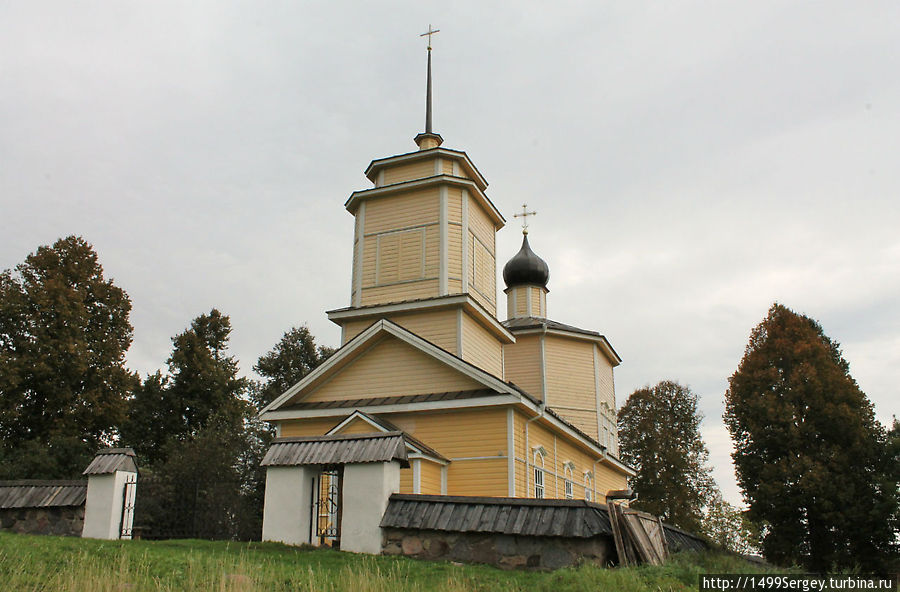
[108, 509]
[371, 473]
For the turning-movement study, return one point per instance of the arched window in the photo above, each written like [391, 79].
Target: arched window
[588, 486]
[538, 473]
[567, 475]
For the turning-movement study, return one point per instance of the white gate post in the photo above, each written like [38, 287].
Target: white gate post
[287, 511]
[367, 489]
[105, 515]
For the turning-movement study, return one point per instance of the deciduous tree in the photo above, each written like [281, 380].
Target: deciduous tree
[659, 434]
[64, 331]
[292, 358]
[810, 456]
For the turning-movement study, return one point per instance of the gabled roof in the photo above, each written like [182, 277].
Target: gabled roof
[359, 344]
[380, 424]
[111, 460]
[337, 449]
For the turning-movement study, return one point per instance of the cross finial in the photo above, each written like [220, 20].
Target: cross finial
[430, 32]
[524, 216]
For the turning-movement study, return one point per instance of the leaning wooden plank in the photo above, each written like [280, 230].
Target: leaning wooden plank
[617, 535]
[662, 536]
[644, 547]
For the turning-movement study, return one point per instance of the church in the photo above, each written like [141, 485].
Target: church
[521, 407]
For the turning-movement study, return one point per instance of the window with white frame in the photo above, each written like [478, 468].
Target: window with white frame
[588, 487]
[538, 474]
[570, 487]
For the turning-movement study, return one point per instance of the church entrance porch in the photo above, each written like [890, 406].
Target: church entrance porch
[331, 490]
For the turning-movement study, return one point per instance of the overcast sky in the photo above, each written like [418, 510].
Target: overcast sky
[690, 162]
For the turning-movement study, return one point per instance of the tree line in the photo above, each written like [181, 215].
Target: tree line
[65, 391]
[818, 473]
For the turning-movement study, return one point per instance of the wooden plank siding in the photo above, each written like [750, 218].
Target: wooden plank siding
[481, 347]
[406, 480]
[482, 257]
[429, 477]
[411, 208]
[559, 451]
[409, 172]
[391, 368]
[457, 433]
[570, 381]
[484, 477]
[312, 426]
[358, 426]
[438, 327]
[522, 361]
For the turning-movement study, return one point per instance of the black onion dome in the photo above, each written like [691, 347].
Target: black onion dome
[526, 268]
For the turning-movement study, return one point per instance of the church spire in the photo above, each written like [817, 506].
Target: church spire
[428, 139]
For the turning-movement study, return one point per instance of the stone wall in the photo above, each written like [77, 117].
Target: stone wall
[64, 521]
[502, 550]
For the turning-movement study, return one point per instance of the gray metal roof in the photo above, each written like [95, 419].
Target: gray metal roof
[505, 515]
[402, 400]
[335, 450]
[111, 460]
[42, 494]
[514, 516]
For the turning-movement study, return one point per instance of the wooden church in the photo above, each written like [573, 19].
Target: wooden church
[521, 407]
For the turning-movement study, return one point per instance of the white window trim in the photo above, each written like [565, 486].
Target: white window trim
[539, 488]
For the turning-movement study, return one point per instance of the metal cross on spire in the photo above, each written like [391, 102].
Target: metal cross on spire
[430, 32]
[524, 216]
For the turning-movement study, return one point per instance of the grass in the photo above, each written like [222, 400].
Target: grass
[38, 563]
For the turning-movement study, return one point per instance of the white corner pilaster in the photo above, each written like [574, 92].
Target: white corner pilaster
[367, 488]
[288, 510]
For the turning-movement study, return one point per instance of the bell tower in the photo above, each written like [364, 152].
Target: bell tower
[424, 249]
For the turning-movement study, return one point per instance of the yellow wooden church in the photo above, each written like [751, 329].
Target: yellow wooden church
[521, 407]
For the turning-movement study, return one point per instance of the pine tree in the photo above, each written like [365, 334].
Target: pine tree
[64, 331]
[659, 434]
[809, 454]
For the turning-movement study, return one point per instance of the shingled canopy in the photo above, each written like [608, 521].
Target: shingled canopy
[513, 516]
[41, 494]
[337, 450]
[111, 460]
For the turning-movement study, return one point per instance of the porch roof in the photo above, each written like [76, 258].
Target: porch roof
[337, 450]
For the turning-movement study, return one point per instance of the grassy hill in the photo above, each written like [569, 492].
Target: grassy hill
[67, 565]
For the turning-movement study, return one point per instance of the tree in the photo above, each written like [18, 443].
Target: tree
[202, 382]
[64, 331]
[659, 434]
[728, 526]
[810, 456]
[292, 358]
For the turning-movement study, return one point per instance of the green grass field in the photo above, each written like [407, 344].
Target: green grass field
[70, 564]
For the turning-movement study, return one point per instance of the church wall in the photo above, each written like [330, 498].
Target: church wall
[429, 478]
[482, 257]
[522, 362]
[401, 292]
[454, 205]
[571, 381]
[391, 368]
[457, 434]
[482, 477]
[480, 347]
[408, 172]
[358, 426]
[313, 426]
[438, 327]
[411, 208]
[559, 450]
[454, 259]
[447, 167]
[406, 480]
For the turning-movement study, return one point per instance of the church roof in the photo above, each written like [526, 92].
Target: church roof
[337, 449]
[523, 324]
[526, 268]
[400, 400]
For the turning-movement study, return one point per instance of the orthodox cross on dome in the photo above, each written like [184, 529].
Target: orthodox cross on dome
[524, 216]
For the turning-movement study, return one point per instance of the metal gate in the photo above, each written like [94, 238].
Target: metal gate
[127, 521]
[327, 506]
